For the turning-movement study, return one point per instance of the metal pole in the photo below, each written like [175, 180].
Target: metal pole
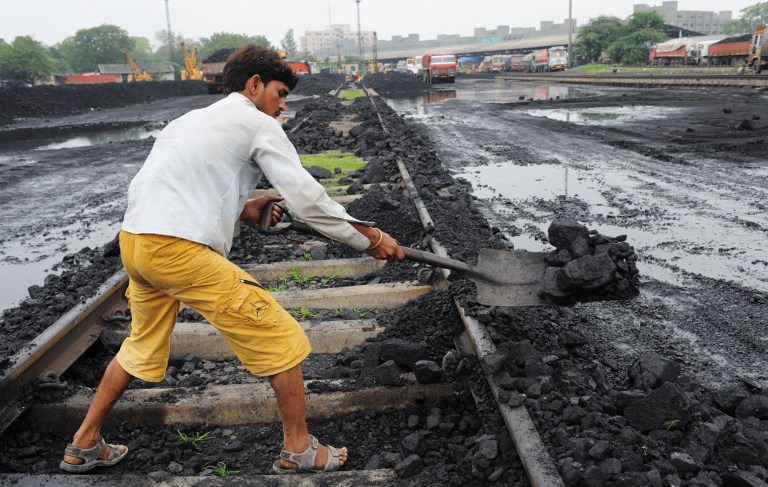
[170, 32]
[359, 34]
[570, 36]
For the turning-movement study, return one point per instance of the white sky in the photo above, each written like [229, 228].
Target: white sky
[50, 21]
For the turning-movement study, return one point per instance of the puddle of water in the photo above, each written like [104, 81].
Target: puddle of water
[603, 115]
[99, 138]
[498, 91]
[16, 277]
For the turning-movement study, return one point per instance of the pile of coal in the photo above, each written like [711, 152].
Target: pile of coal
[393, 84]
[219, 56]
[587, 265]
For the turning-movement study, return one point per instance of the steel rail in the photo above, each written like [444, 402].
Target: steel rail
[49, 354]
[530, 448]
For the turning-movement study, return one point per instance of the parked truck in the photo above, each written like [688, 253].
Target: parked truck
[439, 67]
[213, 70]
[732, 51]
[758, 50]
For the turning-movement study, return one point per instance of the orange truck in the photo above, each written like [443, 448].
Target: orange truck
[439, 67]
[758, 50]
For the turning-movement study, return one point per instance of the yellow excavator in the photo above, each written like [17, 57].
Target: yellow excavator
[138, 73]
[190, 71]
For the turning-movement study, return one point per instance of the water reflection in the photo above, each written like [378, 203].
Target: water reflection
[99, 138]
[439, 96]
[603, 115]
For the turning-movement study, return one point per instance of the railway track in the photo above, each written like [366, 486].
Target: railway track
[646, 80]
[243, 401]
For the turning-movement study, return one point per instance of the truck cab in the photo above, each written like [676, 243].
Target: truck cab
[439, 67]
[758, 51]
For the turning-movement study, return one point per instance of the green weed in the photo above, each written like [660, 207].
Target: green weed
[303, 313]
[346, 161]
[220, 469]
[361, 312]
[329, 279]
[298, 277]
[196, 438]
[672, 424]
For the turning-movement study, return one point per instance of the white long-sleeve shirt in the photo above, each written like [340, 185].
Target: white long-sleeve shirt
[204, 165]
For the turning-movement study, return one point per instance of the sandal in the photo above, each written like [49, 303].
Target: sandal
[90, 457]
[305, 461]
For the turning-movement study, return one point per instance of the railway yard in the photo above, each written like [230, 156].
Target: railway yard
[655, 379]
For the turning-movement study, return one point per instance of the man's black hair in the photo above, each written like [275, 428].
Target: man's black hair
[253, 59]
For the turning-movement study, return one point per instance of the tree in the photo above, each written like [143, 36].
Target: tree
[26, 60]
[644, 20]
[228, 40]
[756, 14]
[60, 65]
[735, 27]
[289, 45]
[633, 47]
[596, 35]
[161, 37]
[97, 45]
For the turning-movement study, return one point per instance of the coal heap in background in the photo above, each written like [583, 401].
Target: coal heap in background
[56, 101]
[393, 84]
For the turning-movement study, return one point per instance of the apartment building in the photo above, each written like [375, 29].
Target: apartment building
[708, 23]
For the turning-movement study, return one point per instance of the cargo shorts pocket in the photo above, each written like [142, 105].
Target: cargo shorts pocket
[247, 298]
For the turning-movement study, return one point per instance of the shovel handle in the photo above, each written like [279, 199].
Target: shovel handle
[439, 261]
[266, 228]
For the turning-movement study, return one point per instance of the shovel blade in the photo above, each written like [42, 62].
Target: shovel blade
[516, 278]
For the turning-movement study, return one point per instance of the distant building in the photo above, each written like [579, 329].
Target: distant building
[334, 40]
[709, 23]
[340, 37]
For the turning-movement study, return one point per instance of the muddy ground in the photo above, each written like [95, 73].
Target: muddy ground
[664, 389]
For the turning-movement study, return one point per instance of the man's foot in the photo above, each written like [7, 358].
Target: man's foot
[97, 454]
[316, 458]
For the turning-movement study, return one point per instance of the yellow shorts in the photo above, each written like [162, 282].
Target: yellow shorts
[164, 271]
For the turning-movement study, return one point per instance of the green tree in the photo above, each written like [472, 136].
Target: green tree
[596, 35]
[735, 27]
[633, 48]
[60, 65]
[25, 59]
[756, 14]
[98, 45]
[228, 40]
[644, 20]
[289, 45]
[161, 54]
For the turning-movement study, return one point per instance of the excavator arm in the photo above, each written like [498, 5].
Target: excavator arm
[191, 71]
[138, 73]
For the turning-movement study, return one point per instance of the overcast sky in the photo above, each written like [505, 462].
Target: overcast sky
[50, 21]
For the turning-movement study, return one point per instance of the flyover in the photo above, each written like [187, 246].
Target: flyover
[524, 45]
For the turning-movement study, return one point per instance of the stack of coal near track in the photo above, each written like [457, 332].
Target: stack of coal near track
[587, 265]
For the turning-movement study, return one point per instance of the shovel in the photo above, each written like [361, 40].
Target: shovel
[503, 277]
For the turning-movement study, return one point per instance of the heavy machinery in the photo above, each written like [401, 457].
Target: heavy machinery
[138, 73]
[190, 71]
